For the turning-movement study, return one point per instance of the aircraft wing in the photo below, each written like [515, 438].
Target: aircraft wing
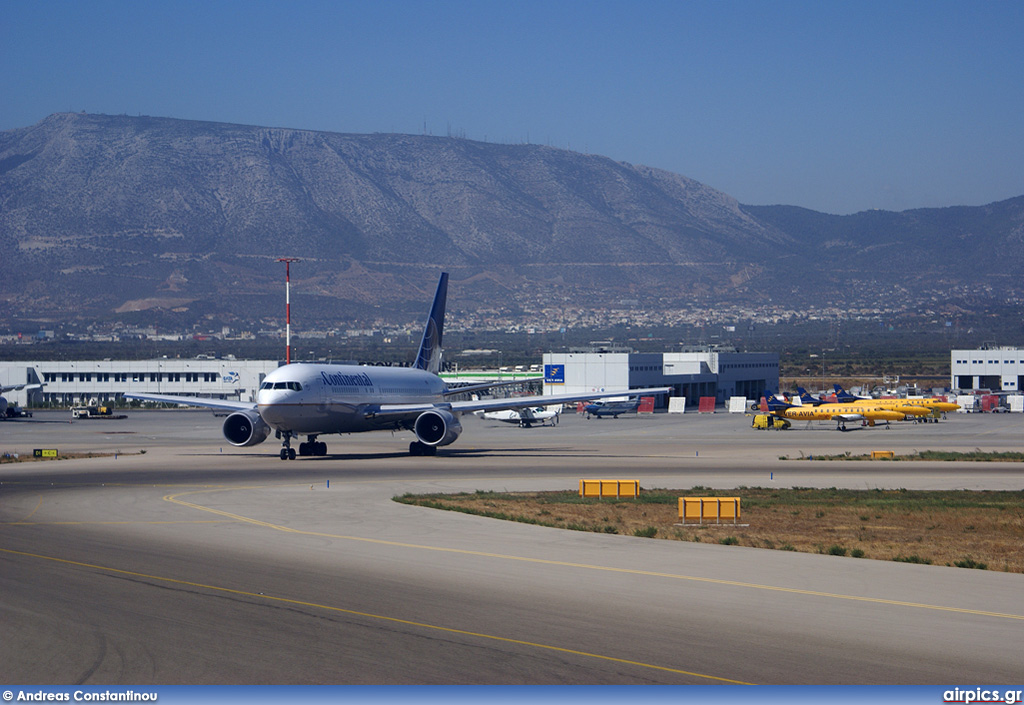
[463, 407]
[409, 411]
[471, 388]
[848, 417]
[195, 401]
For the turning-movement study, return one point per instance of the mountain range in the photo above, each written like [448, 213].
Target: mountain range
[105, 216]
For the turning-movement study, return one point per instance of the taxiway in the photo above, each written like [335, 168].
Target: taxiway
[196, 562]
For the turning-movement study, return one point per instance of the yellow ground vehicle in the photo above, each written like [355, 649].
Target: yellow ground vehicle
[95, 412]
[770, 421]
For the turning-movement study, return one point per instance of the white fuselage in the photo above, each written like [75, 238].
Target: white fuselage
[523, 417]
[313, 398]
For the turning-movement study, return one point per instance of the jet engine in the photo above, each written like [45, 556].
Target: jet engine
[437, 427]
[245, 428]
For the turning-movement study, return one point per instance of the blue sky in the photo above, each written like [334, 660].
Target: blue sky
[831, 105]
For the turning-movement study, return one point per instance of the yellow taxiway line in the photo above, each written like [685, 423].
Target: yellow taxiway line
[369, 615]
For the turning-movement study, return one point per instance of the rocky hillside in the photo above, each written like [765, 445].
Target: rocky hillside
[105, 215]
[959, 247]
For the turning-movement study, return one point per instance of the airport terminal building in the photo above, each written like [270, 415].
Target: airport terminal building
[692, 374]
[81, 382]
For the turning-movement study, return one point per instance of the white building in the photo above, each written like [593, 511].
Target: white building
[704, 373]
[707, 373]
[997, 369]
[97, 381]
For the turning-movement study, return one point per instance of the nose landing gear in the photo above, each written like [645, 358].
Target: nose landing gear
[287, 452]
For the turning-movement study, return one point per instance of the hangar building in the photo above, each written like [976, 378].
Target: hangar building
[692, 374]
[1000, 369]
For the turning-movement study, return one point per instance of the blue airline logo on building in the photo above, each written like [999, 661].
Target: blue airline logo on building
[554, 374]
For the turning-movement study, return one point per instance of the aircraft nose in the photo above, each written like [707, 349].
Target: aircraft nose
[273, 396]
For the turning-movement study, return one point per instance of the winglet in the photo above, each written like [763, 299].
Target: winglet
[429, 356]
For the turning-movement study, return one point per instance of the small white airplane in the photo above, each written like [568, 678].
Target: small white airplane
[319, 399]
[525, 417]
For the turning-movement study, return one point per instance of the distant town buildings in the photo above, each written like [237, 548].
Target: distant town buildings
[529, 314]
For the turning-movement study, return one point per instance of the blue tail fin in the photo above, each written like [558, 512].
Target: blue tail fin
[429, 356]
[771, 403]
[842, 395]
[806, 398]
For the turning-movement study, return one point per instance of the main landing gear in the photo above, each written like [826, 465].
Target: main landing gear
[311, 447]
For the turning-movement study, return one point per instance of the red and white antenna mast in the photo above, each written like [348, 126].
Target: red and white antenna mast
[287, 307]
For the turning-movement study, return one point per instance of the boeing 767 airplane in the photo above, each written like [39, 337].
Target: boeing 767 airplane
[312, 400]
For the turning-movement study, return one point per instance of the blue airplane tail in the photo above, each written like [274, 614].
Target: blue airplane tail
[773, 404]
[429, 356]
[806, 397]
[842, 395]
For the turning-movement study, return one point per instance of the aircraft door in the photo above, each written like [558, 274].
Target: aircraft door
[323, 395]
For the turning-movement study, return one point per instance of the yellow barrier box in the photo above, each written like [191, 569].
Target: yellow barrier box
[610, 488]
[700, 510]
[882, 455]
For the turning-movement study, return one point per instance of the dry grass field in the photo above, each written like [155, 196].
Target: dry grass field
[970, 529]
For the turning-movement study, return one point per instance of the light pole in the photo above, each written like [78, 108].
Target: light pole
[823, 372]
[287, 307]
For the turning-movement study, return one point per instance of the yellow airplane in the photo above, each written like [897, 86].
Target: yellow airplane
[908, 407]
[840, 413]
[934, 406]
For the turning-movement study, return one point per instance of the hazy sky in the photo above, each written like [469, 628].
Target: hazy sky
[835, 106]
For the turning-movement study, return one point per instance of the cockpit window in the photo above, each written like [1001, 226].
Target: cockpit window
[294, 386]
